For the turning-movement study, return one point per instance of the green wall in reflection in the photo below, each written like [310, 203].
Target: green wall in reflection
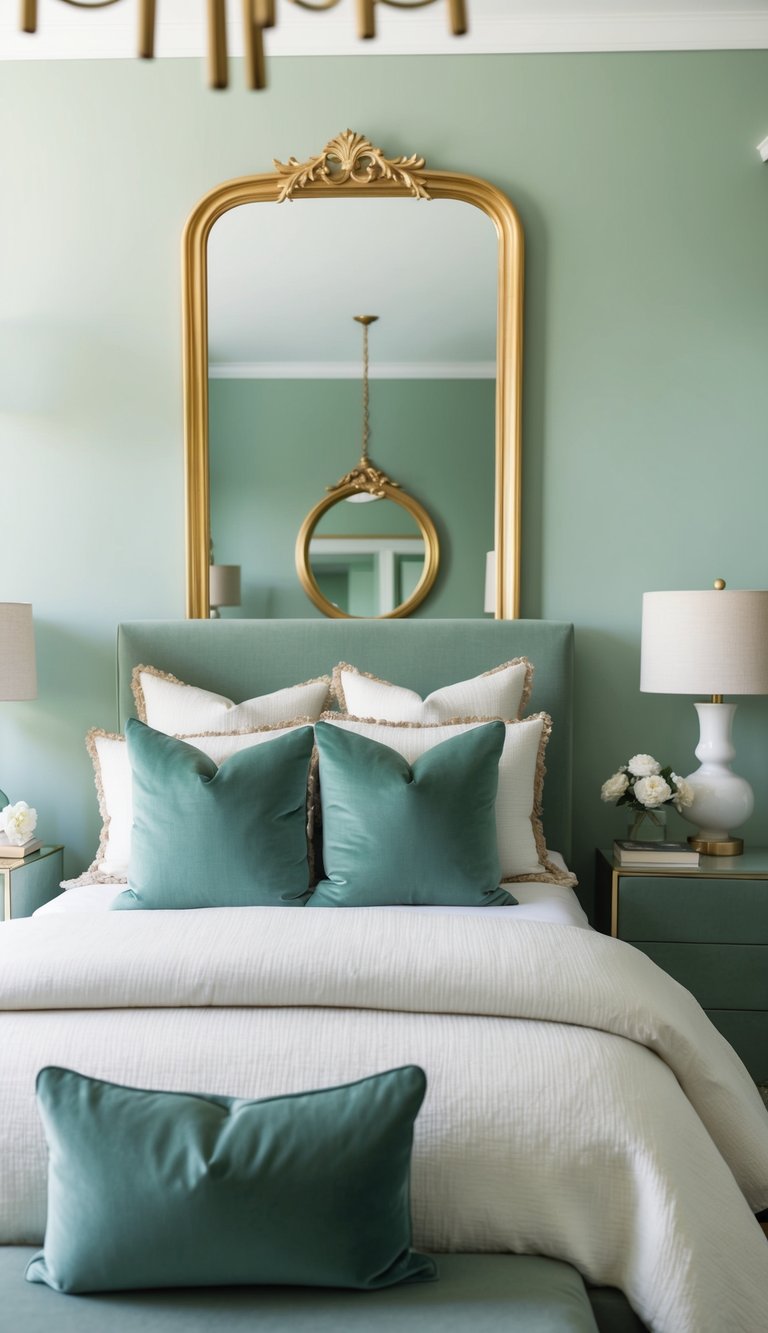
[277, 444]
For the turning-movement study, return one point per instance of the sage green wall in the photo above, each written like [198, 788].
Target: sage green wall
[645, 208]
[436, 437]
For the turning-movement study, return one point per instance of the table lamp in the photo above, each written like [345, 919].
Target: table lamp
[224, 587]
[18, 678]
[711, 642]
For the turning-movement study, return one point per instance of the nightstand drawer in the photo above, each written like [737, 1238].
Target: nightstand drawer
[721, 976]
[748, 1034]
[728, 911]
[27, 883]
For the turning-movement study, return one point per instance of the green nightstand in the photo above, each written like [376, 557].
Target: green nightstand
[707, 927]
[28, 883]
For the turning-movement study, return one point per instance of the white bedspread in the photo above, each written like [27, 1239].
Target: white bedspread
[580, 1104]
[535, 902]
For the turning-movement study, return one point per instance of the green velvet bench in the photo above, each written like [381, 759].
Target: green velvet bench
[484, 1293]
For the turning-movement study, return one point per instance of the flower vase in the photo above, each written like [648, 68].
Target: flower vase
[648, 825]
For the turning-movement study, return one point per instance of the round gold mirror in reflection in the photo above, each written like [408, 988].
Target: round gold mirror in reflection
[374, 560]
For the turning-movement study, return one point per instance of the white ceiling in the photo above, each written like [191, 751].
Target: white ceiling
[495, 26]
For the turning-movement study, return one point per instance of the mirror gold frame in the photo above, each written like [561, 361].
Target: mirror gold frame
[351, 167]
[387, 492]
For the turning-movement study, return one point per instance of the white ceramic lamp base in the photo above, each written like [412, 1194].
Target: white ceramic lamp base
[722, 800]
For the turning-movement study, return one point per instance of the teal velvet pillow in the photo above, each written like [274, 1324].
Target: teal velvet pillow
[396, 833]
[170, 1189]
[234, 836]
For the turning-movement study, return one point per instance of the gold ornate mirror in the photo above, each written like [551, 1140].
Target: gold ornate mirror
[377, 556]
[351, 168]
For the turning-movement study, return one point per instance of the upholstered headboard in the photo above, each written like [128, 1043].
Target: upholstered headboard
[242, 658]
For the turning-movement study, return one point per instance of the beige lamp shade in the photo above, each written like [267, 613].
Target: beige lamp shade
[713, 641]
[224, 585]
[18, 677]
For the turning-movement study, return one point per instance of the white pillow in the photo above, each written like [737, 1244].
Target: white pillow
[168, 705]
[522, 849]
[113, 778]
[502, 692]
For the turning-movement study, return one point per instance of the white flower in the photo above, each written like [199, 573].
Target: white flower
[19, 822]
[615, 787]
[684, 796]
[643, 766]
[652, 791]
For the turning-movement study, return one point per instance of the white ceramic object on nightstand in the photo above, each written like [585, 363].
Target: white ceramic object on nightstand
[722, 800]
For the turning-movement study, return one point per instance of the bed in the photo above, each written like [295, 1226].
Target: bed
[580, 1105]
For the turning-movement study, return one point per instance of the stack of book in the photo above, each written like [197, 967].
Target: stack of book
[16, 851]
[634, 854]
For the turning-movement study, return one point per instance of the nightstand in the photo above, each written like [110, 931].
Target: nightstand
[27, 883]
[707, 927]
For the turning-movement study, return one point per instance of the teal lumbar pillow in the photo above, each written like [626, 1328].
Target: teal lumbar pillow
[208, 836]
[169, 1189]
[400, 833]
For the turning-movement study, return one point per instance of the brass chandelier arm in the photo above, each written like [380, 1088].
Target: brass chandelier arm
[406, 4]
[319, 4]
[457, 13]
[29, 10]
[146, 19]
[89, 4]
[258, 15]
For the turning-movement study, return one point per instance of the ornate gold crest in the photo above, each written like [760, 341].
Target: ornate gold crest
[366, 477]
[350, 157]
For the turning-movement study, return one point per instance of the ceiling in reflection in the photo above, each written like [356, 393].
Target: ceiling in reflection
[285, 281]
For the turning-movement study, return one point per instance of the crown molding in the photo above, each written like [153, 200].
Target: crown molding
[350, 370]
[67, 34]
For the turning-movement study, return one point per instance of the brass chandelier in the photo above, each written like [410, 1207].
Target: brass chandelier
[258, 15]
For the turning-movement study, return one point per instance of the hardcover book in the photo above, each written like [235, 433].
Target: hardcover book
[17, 851]
[629, 853]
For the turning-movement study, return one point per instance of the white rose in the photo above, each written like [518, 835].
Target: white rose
[683, 797]
[652, 791]
[615, 787]
[643, 766]
[19, 822]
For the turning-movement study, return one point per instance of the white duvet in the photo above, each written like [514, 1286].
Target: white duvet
[580, 1104]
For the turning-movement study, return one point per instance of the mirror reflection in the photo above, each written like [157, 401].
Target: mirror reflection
[367, 558]
[390, 574]
[285, 385]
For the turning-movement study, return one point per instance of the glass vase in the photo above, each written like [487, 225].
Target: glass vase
[648, 825]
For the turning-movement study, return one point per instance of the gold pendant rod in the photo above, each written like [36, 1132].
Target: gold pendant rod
[253, 48]
[366, 321]
[146, 29]
[29, 15]
[217, 44]
[366, 21]
[458, 16]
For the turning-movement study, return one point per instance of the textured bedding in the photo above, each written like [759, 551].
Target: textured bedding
[535, 902]
[579, 1105]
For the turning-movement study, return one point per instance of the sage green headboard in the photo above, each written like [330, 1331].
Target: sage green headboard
[241, 658]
